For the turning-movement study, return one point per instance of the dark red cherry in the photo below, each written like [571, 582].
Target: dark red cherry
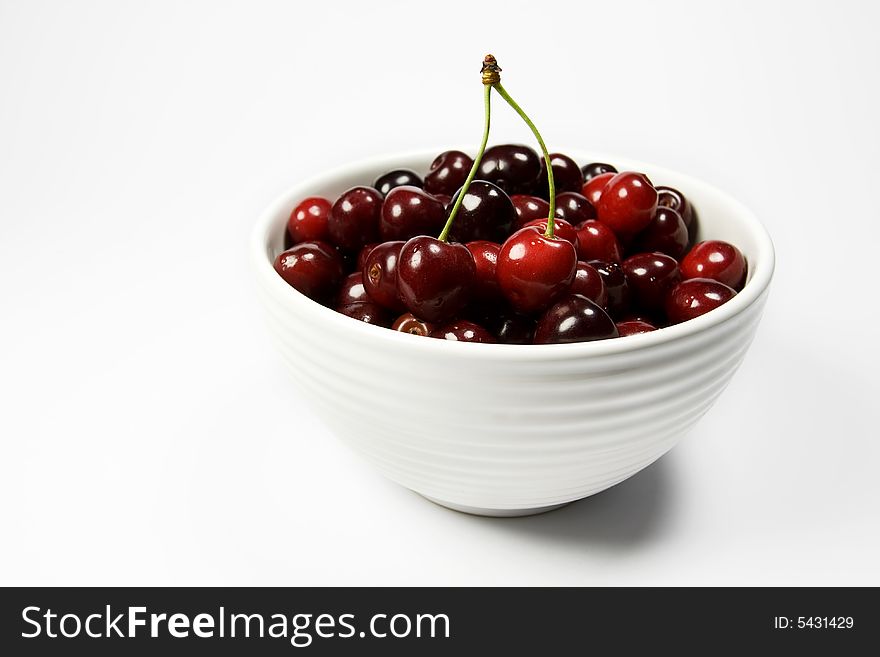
[588, 282]
[720, 261]
[567, 176]
[352, 290]
[448, 172]
[409, 323]
[574, 208]
[650, 277]
[574, 318]
[463, 331]
[397, 178]
[509, 327]
[486, 258]
[486, 213]
[627, 203]
[354, 218]
[561, 229]
[594, 169]
[528, 208]
[695, 297]
[313, 268]
[367, 312]
[669, 197]
[615, 286]
[362, 255]
[513, 167]
[634, 327]
[435, 279]
[410, 211]
[597, 242]
[379, 275]
[533, 270]
[308, 221]
[592, 189]
[665, 234]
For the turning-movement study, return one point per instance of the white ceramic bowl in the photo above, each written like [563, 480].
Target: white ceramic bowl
[501, 429]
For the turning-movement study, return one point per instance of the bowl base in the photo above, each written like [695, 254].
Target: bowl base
[496, 513]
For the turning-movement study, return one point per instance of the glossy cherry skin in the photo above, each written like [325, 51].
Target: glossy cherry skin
[509, 327]
[448, 172]
[513, 167]
[485, 254]
[561, 229]
[367, 312]
[588, 282]
[528, 208]
[379, 275]
[352, 291]
[486, 213]
[669, 197]
[650, 277]
[313, 268]
[718, 260]
[574, 208]
[633, 327]
[597, 242]
[464, 331]
[354, 218]
[308, 221]
[627, 203]
[695, 297]
[533, 270]
[574, 318]
[665, 234]
[594, 169]
[410, 211]
[363, 253]
[592, 189]
[567, 176]
[616, 286]
[435, 279]
[397, 178]
[409, 323]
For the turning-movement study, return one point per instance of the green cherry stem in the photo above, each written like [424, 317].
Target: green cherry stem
[550, 184]
[487, 89]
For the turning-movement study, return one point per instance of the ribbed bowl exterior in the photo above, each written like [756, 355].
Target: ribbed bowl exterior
[510, 429]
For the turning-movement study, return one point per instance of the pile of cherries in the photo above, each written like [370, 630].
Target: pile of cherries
[620, 259]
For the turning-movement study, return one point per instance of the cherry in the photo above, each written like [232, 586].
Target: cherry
[409, 211]
[528, 208]
[363, 253]
[464, 331]
[485, 255]
[313, 268]
[352, 291]
[669, 197]
[592, 189]
[695, 297]
[588, 282]
[594, 169]
[435, 278]
[445, 199]
[561, 228]
[627, 203]
[567, 176]
[665, 234]
[486, 213]
[720, 261]
[633, 327]
[616, 286]
[574, 208]
[448, 172]
[650, 276]
[308, 221]
[409, 323]
[597, 242]
[397, 178]
[575, 318]
[510, 327]
[368, 312]
[513, 167]
[379, 275]
[534, 269]
[354, 218]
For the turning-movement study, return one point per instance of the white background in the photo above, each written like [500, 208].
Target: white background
[150, 434]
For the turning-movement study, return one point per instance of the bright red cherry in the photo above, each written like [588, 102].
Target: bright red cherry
[592, 189]
[574, 318]
[463, 331]
[435, 279]
[665, 234]
[486, 258]
[528, 208]
[313, 268]
[533, 270]
[588, 282]
[695, 297]
[308, 221]
[379, 275]
[561, 229]
[720, 261]
[409, 211]
[596, 241]
[650, 276]
[409, 323]
[354, 218]
[627, 203]
[633, 327]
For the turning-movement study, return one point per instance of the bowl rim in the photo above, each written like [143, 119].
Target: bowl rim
[761, 268]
